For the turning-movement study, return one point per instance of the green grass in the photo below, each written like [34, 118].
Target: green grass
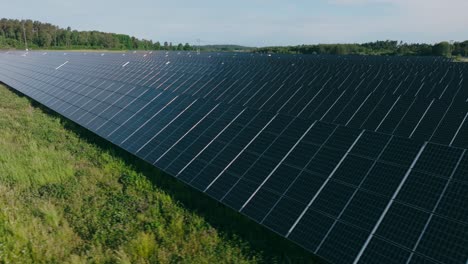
[460, 59]
[67, 196]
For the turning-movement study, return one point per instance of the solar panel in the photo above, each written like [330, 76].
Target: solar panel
[357, 159]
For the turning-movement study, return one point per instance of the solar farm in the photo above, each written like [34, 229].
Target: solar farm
[357, 159]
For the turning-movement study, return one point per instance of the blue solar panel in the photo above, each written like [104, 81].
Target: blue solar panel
[357, 159]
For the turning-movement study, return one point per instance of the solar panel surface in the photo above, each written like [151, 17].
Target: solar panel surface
[357, 159]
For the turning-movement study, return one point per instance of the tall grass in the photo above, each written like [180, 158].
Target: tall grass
[67, 196]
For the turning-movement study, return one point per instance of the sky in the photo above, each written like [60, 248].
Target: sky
[256, 22]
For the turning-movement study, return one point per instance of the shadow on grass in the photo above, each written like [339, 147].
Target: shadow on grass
[271, 246]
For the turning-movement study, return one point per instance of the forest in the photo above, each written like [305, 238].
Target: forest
[387, 47]
[38, 35]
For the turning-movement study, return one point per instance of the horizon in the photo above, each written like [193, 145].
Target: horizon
[260, 23]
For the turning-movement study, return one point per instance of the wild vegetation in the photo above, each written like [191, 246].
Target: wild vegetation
[37, 35]
[67, 196]
[388, 47]
[225, 48]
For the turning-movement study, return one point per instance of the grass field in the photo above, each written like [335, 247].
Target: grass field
[461, 59]
[67, 196]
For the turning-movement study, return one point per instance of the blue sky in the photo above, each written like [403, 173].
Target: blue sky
[256, 22]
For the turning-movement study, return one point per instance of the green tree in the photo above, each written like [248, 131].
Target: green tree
[157, 45]
[67, 37]
[45, 39]
[442, 49]
[340, 49]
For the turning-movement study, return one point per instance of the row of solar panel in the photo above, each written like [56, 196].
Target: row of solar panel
[443, 85]
[337, 191]
[415, 117]
[136, 72]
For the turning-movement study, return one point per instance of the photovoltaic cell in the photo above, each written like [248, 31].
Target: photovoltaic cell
[403, 225]
[358, 159]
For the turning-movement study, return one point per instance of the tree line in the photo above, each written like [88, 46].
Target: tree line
[37, 35]
[31, 34]
[388, 47]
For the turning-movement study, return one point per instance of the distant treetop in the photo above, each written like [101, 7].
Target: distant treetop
[388, 47]
[38, 35]
[31, 34]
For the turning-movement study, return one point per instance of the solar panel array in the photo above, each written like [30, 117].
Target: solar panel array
[357, 159]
